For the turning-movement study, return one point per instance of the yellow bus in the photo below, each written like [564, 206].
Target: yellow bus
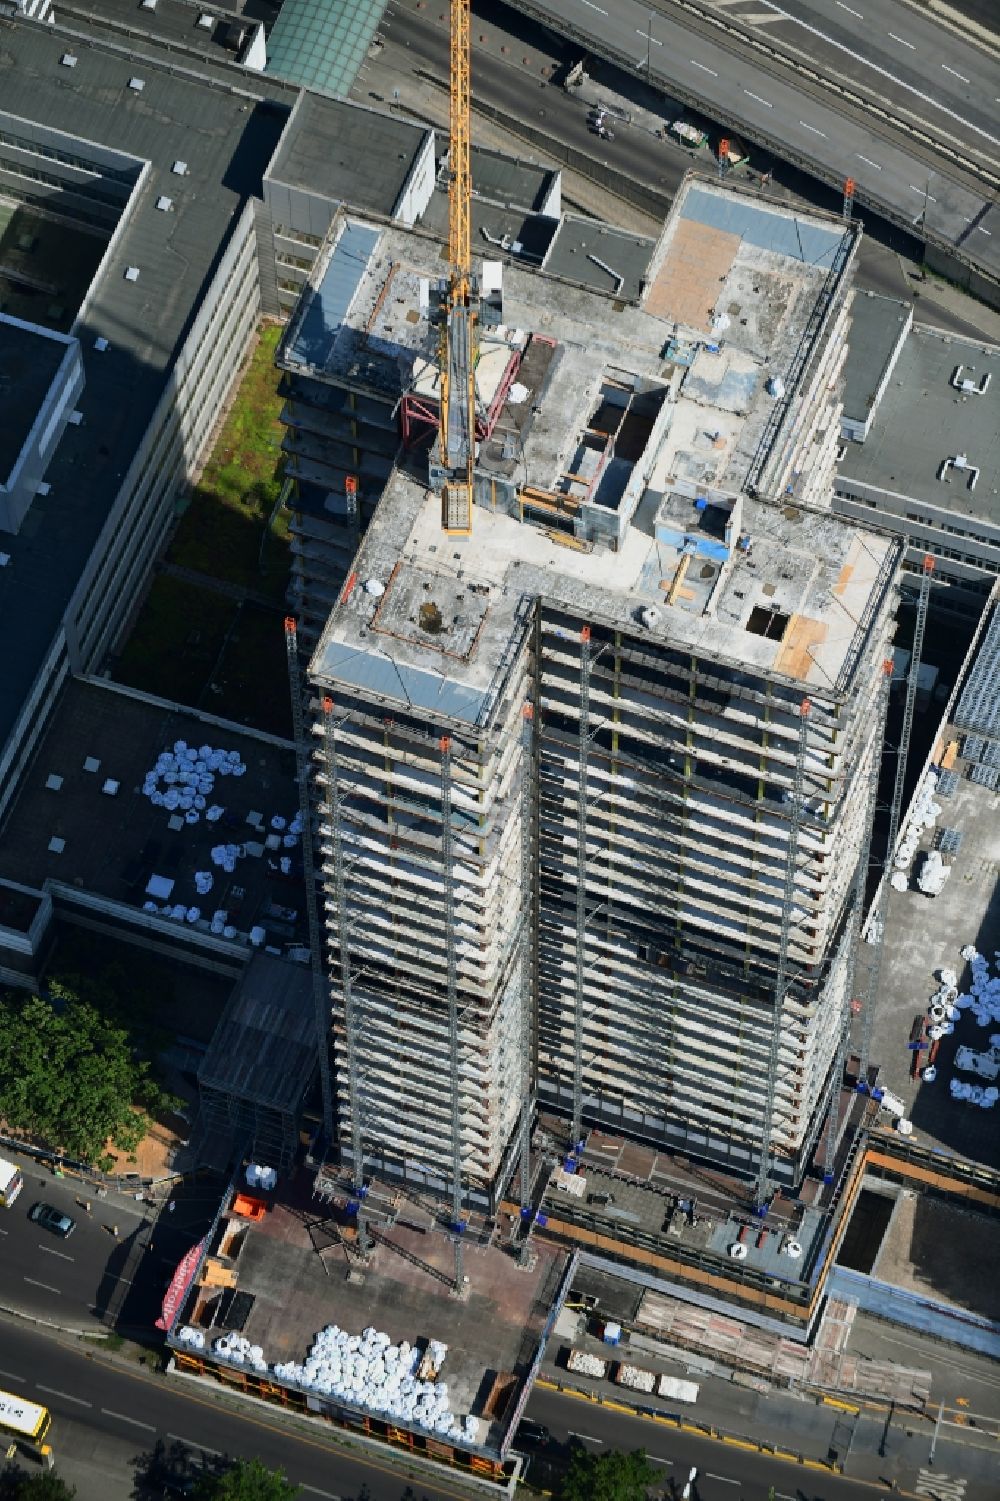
[23, 1420]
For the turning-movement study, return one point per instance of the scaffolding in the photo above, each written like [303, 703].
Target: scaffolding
[781, 980]
[581, 889]
[451, 959]
[321, 1008]
[876, 926]
[526, 964]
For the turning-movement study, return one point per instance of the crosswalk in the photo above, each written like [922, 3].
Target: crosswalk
[938, 1487]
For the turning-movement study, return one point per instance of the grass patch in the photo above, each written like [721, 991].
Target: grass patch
[224, 531]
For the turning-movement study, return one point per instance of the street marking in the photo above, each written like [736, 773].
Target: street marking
[53, 1252]
[902, 41]
[850, 12]
[930, 198]
[656, 1459]
[649, 38]
[694, 64]
[588, 1436]
[190, 1443]
[960, 76]
[4, 1232]
[728, 1479]
[983, 231]
[47, 1286]
[12, 1376]
[590, 6]
[758, 98]
[806, 126]
[123, 1419]
[317, 1492]
[65, 1396]
[869, 161]
[939, 1487]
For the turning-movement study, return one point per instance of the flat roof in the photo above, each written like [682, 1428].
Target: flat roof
[510, 180]
[877, 325]
[493, 222]
[600, 256]
[922, 420]
[264, 1047]
[321, 44]
[298, 1285]
[332, 147]
[176, 22]
[601, 353]
[29, 362]
[111, 844]
[226, 133]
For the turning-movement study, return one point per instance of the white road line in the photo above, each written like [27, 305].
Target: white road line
[591, 6]
[728, 1479]
[53, 1252]
[656, 1459]
[4, 1232]
[758, 98]
[588, 1436]
[123, 1419]
[654, 39]
[902, 41]
[12, 1376]
[65, 1396]
[47, 1286]
[869, 161]
[930, 198]
[953, 73]
[317, 1492]
[901, 83]
[983, 231]
[806, 126]
[696, 64]
[190, 1443]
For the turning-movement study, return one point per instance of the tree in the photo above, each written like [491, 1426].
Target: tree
[68, 1076]
[611, 1476]
[246, 1480]
[41, 1485]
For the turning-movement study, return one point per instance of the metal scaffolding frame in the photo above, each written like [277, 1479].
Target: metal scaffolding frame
[857, 907]
[581, 887]
[321, 1004]
[526, 958]
[346, 978]
[451, 956]
[763, 1180]
[877, 921]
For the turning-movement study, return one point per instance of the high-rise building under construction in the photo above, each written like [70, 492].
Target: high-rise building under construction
[595, 780]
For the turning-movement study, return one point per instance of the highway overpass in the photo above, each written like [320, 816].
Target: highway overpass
[871, 90]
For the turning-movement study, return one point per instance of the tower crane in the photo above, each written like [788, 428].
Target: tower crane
[458, 302]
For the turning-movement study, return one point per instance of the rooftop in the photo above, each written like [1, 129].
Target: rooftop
[329, 148]
[292, 1265]
[226, 133]
[877, 326]
[66, 827]
[599, 256]
[923, 420]
[178, 23]
[30, 358]
[622, 410]
[264, 1047]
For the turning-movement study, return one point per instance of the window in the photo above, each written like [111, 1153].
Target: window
[770, 623]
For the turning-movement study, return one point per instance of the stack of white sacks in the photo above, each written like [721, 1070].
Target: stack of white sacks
[369, 1371]
[924, 814]
[193, 1337]
[238, 1350]
[981, 1003]
[183, 779]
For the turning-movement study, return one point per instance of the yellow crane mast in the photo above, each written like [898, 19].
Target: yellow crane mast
[457, 433]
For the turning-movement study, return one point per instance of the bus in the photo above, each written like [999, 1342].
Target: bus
[23, 1420]
[11, 1182]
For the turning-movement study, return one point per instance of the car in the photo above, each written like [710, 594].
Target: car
[531, 1435]
[52, 1219]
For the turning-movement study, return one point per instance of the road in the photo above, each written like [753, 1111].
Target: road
[128, 1410]
[755, 93]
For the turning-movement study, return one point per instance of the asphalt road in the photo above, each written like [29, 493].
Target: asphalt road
[759, 97]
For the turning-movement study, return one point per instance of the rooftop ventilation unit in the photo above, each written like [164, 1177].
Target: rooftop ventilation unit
[43, 487]
[131, 273]
[100, 345]
[969, 387]
[75, 418]
[164, 204]
[149, 4]
[138, 84]
[180, 169]
[206, 21]
[960, 463]
[68, 60]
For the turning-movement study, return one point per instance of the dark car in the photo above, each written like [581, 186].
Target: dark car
[531, 1435]
[52, 1219]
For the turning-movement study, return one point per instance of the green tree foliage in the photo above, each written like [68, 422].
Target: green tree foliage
[40, 1485]
[68, 1075]
[246, 1480]
[611, 1476]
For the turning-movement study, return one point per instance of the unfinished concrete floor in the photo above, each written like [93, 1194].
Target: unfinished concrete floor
[942, 1252]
